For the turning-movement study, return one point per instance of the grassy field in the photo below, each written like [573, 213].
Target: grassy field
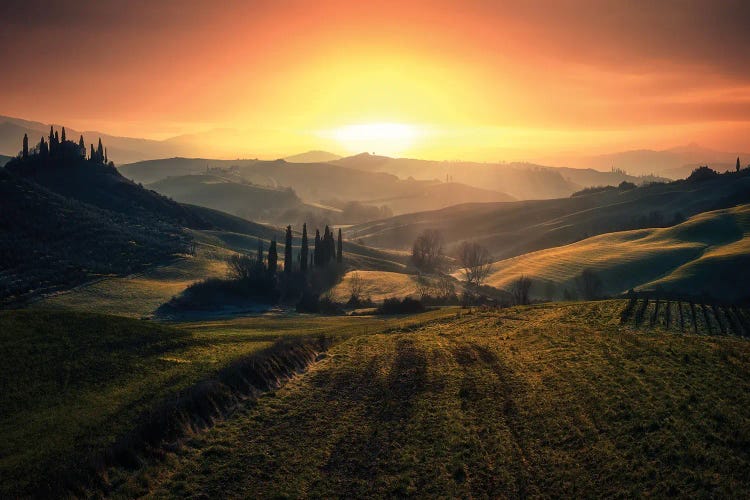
[72, 383]
[550, 400]
[708, 253]
[140, 294]
[378, 285]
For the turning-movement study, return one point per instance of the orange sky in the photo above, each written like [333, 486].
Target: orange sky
[476, 80]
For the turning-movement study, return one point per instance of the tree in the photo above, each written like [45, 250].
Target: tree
[260, 252]
[43, 149]
[106, 160]
[520, 289]
[475, 261]
[82, 146]
[340, 252]
[240, 266]
[737, 166]
[92, 155]
[303, 250]
[288, 251]
[273, 257]
[25, 151]
[589, 285]
[100, 152]
[318, 249]
[51, 135]
[427, 251]
[62, 135]
[356, 287]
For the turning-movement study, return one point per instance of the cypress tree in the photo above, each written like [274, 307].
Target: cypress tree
[57, 138]
[43, 150]
[288, 259]
[62, 135]
[318, 248]
[25, 152]
[273, 257]
[106, 160]
[304, 250]
[82, 146]
[92, 155]
[737, 166]
[100, 152]
[260, 252]
[51, 134]
[326, 254]
[340, 253]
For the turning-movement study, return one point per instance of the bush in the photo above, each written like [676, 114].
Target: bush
[407, 305]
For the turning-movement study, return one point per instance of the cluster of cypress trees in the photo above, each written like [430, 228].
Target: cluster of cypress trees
[326, 251]
[58, 145]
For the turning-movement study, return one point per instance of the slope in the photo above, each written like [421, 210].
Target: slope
[510, 229]
[709, 254]
[546, 401]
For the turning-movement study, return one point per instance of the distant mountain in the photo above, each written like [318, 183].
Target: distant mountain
[520, 180]
[313, 157]
[674, 163]
[515, 228]
[4, 159]
[319, 183]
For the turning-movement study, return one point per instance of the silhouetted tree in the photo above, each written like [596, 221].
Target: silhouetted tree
[260, 252]
[340, 252]
[589, 285]
[25, 151]
[100, 152]
[43, 148]
[273, 257]
[62, 135]
[51, 135]
[427, 251]
[82, 146]
[288, 251]
[92, 155]
[519, 289]
[304, 249]
[106, 159]
[737, 166]
[318, 249]
[475, 261]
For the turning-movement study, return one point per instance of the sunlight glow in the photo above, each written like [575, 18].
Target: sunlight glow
[379, 138]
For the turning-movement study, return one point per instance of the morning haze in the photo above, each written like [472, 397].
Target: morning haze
[374, 249]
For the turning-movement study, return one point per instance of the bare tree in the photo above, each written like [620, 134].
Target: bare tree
[475, 261]
[427, 251]
[445, 287]
[356, 286]
[241, 267]
[589, 284]
[520, 289]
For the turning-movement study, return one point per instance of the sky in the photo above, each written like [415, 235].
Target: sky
[480, 80]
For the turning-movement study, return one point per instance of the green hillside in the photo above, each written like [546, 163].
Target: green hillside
[708, 254]
[510, 229]
[74, 383]
[553, 401]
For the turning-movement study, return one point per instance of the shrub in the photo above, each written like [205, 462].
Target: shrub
[407, 305]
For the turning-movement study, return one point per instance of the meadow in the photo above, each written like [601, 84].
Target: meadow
[547, 400]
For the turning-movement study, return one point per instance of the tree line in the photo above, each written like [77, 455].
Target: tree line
[57, 145]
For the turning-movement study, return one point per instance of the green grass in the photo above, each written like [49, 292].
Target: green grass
[72, 382]
[709, 253]
[552, 400]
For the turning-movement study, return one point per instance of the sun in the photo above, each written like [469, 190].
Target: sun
[389, 139]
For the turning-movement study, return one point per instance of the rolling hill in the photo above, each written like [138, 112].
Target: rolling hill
[323, 182]
[511, 229]
[520, 180]
[313, 157]
[709, 254]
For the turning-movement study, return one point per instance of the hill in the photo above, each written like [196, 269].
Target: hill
[322, 182]
[675, 163]
[511, 229]
[4, 159]
[520, 180]
[245, 200]
[312, 157]
[553, 400]
[709, 255]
